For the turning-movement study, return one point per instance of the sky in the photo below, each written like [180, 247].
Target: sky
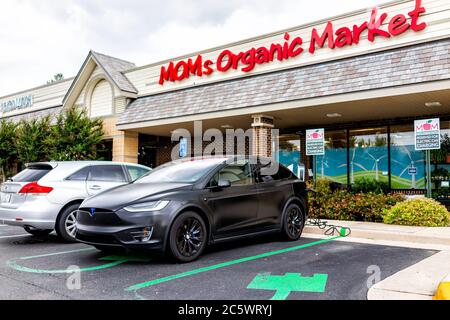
[40, 38]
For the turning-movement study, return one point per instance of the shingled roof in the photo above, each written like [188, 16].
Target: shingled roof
[114, 68]
[408, 65]
[38, 114]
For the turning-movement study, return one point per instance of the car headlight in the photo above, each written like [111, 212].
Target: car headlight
[148, 206]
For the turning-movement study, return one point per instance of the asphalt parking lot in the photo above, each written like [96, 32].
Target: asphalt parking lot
[257, 269]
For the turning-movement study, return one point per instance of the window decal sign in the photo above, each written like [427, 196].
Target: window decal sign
[315, 142]
[428, 134]
[379, 25]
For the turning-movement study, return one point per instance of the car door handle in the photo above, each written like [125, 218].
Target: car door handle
[95, 188]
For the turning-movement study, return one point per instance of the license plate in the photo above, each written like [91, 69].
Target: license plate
[6, 198]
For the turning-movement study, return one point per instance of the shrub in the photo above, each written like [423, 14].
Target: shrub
[366, 185]
[345, 205]
[418, 212]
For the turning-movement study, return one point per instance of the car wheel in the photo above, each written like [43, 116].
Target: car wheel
[37, 232]
[66, 225]
[294, 222]
[188, 237]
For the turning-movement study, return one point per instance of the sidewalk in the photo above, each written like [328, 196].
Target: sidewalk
[418, 282]
[379, 231]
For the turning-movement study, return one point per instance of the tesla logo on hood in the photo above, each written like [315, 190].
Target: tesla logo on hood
[92, 212]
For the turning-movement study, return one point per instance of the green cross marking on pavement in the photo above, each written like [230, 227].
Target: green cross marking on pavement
[284, 285]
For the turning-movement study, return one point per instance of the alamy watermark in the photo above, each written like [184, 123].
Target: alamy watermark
[375, 276]
[215, 143]
[74, 280]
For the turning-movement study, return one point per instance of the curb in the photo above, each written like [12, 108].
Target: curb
[388, 236]
[443, 292]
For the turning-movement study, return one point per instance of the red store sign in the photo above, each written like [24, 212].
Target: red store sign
[293, 47]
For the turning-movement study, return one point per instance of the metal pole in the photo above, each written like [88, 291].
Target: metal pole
[315, 172]
[429, 187]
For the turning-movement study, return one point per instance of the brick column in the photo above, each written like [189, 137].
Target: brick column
[126, 147]
[262, 135]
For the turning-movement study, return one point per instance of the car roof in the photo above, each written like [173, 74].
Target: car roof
[55, 164]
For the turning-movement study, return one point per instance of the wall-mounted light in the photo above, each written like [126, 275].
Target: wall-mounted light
[434, 104]
[334, 115]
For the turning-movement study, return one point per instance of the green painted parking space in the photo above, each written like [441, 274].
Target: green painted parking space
[257, 269]
[112, 261]
[284, 285]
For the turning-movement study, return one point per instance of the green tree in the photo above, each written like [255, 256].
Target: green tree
[75, 136]
[34, 141]
[56, 78]
[8, 151]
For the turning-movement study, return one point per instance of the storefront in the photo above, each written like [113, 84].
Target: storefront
[364, 77]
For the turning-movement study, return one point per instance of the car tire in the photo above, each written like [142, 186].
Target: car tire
[187, 237]
[37, 232]
[293, 222]
[66, 223]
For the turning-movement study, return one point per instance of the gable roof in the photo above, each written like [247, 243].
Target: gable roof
[113, 69]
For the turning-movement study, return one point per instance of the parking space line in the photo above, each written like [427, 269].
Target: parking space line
[16, 236]
[114, 262]
[140, 286]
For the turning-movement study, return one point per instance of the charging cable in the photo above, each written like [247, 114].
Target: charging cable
[330, 229]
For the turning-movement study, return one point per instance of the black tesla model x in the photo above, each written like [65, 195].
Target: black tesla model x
[183, 206]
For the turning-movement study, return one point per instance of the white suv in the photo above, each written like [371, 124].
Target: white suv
[46, 196]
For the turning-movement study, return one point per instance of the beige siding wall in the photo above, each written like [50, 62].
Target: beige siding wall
[120, 104]
[44, 97]
[81, 98]
[101, 103]
[437, 17]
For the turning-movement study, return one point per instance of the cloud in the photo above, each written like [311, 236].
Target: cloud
[45, 37]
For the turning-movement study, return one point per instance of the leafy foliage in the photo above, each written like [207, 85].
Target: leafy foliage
[8, 150]
[75, 136]
[346, 205]
[368, 185]
[418, 212]
[34, 140]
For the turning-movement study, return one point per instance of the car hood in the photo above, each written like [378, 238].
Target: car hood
[122, 196]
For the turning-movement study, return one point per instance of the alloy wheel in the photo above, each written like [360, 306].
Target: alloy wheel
[71, 224]
[295, 222]
[190, 237]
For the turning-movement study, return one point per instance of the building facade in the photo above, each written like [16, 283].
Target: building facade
[364, 76]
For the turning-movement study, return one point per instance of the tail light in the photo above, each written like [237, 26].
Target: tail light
[35, 188]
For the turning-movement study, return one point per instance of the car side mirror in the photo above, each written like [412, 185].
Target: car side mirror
[224, 184]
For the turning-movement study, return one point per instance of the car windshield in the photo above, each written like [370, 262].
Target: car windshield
[181, 171]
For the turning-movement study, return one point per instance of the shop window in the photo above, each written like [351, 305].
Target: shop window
[408, 166]
[440, 170]
[105, 150]
[369, 155]
[289, 153]
[334, 164]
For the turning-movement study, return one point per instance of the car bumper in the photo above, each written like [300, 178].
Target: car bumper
[38, 213]
[116, 229]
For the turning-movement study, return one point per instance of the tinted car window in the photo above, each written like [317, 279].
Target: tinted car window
[285, 173]
[181, 171]
[107, 173]
[237, 173]
[136, 172]
[32, 174]
[81, 175]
